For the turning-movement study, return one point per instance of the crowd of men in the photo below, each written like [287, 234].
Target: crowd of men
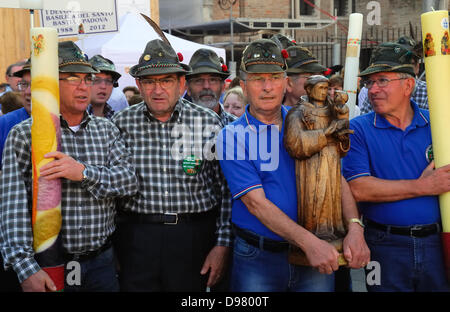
[169, 195]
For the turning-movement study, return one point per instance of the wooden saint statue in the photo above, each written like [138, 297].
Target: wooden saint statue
[317, 136]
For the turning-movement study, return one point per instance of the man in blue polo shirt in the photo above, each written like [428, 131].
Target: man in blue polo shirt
[390, 171]
[261, 177]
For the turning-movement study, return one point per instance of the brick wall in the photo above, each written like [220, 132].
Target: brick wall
[394, 13]
[254, 9]
[395, 17]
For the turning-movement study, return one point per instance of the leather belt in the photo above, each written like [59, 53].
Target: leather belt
[261, 242]
[413, 231]
[163, 218]
[89, 254]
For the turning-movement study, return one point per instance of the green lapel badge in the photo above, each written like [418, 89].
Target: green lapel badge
[191, 165]
[429, 153]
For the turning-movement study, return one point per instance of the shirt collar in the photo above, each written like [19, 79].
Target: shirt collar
[254, 123]
[83, 124]
[107, 110]
[175, 116]
[419, 120]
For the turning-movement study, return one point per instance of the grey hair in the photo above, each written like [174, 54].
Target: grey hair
[406, 76]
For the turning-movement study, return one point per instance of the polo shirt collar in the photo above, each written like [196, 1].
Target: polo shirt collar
[254, 123]
[419, 120]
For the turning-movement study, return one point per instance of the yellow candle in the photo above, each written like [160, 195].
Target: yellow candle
[437, 65]
[435, 34]
[45, 135]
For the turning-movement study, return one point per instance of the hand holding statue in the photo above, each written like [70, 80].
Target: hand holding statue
[317, 136]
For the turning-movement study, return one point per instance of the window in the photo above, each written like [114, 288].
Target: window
[341, 7]
[306, 8]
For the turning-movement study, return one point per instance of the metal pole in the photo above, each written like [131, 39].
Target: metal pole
[336, 54]
[335, 26]
[231, 31]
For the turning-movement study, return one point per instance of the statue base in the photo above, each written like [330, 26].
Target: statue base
[298, 257]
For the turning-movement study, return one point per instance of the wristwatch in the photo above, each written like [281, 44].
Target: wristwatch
[356, 220]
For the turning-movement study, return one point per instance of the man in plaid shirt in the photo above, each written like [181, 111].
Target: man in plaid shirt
[174, 235]
[95, 167]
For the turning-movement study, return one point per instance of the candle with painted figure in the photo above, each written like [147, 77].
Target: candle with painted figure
[45, 138]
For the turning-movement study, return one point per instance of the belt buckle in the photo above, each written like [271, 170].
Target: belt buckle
[172, 214]
[414, 228]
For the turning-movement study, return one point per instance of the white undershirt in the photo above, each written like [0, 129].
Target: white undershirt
[75, 128]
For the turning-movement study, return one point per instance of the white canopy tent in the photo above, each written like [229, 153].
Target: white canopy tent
[125, 47]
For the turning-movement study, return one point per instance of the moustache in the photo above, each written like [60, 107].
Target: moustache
[207, 93]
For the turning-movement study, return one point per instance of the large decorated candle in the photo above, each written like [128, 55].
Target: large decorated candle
[352, 60]
[436, 50]
[45, 138]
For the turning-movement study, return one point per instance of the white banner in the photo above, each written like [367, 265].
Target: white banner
[81, 5]
[73, 22]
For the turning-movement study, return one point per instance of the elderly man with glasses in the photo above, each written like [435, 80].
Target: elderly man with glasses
[391, 173]
[95, 167]
[419, 95]
[174, 235]
[263, 186]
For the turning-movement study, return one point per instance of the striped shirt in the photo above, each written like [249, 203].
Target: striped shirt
[176, 164]
[88, 207]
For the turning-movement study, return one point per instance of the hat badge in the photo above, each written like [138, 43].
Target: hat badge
[147, 57]
[397, 50]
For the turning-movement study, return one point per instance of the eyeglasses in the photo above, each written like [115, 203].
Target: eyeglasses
[260, 81]
[150, 84]
[23, 85]
[382, 82]
[98, 81]
[214, 81]
[76, 81]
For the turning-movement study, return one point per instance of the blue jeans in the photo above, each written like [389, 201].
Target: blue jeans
[407, 263]
[256, 270]
[97, 274]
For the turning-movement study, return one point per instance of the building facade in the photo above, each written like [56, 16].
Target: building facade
[320, 25]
